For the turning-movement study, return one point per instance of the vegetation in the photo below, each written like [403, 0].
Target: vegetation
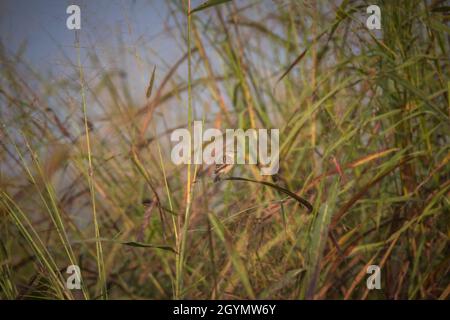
[86, 177]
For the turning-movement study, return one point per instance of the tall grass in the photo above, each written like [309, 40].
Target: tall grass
[86, 176]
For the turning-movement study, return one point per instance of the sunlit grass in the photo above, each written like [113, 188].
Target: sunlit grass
[364, 138]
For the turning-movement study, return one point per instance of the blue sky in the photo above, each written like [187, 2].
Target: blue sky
[131, 35]
[127, 35]
[41, 25]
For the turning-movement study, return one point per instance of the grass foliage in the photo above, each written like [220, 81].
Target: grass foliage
[364, 138]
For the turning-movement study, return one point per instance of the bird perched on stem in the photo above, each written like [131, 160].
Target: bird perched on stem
[222, 169]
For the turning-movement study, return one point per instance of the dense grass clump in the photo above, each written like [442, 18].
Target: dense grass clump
[364, 118]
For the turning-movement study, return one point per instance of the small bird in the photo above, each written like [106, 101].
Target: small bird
[222, 169]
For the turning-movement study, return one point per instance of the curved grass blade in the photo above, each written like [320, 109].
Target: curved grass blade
[299, 199]
[293, 64]
[208, 4]
[147, 245]
[136, 244]
[148, 93]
